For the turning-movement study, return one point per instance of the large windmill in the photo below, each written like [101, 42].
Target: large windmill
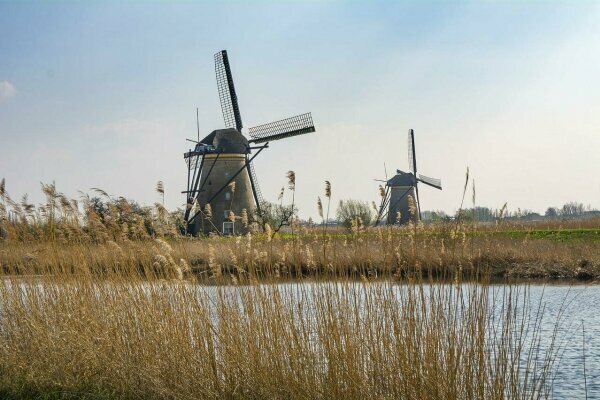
[221, 179]
[398, 189]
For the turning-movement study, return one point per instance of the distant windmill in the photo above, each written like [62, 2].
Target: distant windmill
[221, 178]
[395, 197]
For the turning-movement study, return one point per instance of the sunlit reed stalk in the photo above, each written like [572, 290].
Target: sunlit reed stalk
[459, 217]
[328, 195]
[291, 176]
[474, 221]
[464, 192]
[160, 189]
[49, 191]
[244, 218]
[325, 225]
[232, 189]
[320, 210]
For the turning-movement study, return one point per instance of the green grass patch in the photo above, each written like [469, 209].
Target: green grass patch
[552, 234]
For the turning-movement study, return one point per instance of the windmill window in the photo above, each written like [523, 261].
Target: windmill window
[228, 228]
[227, 195]
[226, 214]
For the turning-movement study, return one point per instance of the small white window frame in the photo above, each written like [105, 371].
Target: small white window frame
[228, 228]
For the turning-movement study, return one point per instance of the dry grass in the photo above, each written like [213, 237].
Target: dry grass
[66, 235]
[430, 250]
[73, 336]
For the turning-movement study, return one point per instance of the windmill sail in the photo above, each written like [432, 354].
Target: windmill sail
[418, 201]
[294, 126]
[227, 96]
[412, 157]
[436, 183]
[192, 160]
[255, 187]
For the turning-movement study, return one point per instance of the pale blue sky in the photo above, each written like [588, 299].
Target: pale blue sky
[103, 94]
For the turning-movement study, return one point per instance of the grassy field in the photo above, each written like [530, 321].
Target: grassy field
[555, 234]
[103, 234]
[442, 251]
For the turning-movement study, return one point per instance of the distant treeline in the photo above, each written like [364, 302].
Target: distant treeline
[350, 210]
[569, 210]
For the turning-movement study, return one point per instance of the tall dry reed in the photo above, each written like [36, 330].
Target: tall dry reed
[127, 337]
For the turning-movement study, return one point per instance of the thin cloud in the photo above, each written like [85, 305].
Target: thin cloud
[7, 90]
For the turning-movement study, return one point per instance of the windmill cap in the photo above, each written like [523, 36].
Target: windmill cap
[227, 141]
[402, 179]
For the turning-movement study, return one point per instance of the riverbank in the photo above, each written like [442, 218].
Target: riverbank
[438, 251]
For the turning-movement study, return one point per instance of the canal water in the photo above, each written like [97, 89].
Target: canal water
[566, 316]
[577, 309]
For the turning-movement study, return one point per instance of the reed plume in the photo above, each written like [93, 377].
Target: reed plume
[291, 176]
[412, 206]
[320, 207]
[328, 195]
[160, 189]
[102, 193]
[244, 218]
[232, 189]
[464, 192]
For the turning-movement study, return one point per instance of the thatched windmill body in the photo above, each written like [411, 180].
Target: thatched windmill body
[402, 190]
[222, 183]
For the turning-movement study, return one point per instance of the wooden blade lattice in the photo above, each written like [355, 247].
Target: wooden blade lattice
[227, 95]
[294, 126]
[436, 183]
